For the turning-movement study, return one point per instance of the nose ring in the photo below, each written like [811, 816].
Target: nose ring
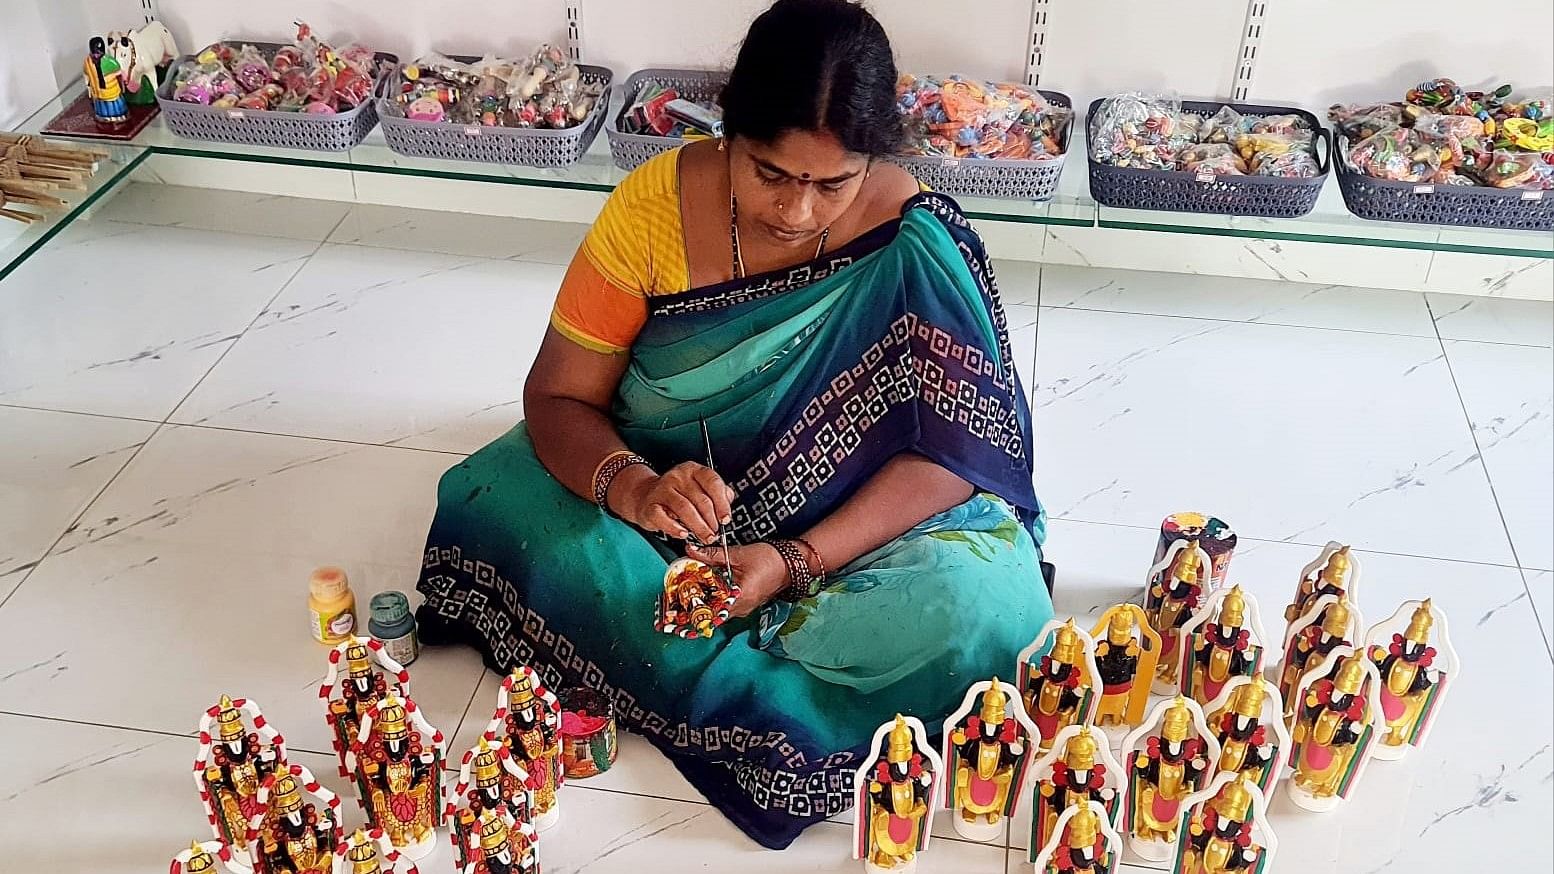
[781, 206]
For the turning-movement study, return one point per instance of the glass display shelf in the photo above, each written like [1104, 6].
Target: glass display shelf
[1329, 223]
[18, 240]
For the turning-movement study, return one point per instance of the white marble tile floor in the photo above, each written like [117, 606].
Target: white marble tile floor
[202, 397]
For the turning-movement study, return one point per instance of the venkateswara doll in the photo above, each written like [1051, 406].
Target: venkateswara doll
[501, 844]
[398, 760]
[1059, 689]
[1083, 842]
[1171, 756]
[1127, 651]
[297, 826]
[210, 857]
[1336, 728]
[489, 777]
[1416, 663]
[1177, 584]
[1079, 768]
[1223, 639]
[1225, 830]
[989, 745]
[696, 599]
[528, 722]
[1248, 721]
[370, 673]
[1335, 572]
[1330, 622]
[233, 760]
[895, 791]
[370, 852]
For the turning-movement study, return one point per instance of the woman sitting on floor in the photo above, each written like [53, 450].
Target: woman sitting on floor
[839, 333]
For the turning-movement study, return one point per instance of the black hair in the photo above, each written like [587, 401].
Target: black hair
[815, 65]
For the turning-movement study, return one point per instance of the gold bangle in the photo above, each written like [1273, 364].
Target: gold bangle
[609, 469]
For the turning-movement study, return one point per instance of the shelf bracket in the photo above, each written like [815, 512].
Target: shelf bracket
[1037, 48]
[1246, 53]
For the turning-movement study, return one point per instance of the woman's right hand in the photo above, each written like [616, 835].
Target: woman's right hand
[688, 500]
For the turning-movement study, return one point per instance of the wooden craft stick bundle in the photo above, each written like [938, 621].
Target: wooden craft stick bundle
[81, 156]
[14, 214]
[19, 160]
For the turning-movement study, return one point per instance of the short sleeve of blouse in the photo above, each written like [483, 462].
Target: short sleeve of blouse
[602, 304]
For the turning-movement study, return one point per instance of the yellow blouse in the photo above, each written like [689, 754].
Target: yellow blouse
[635, 248]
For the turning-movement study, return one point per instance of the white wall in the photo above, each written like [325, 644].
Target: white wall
[26, 77]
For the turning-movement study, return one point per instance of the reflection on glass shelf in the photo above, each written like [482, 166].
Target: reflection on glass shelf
[18, 241]
[1330, 222]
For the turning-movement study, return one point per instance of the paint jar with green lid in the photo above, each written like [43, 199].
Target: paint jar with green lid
[392, 625]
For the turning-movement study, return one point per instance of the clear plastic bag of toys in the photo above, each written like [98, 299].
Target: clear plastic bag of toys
[1296, 163]
[957, 117]
[1287, 156]
[205, 81]
[250, 69]
[1225, 126]
[1186, 130]
[1399, 154]
[1358, 121]
[1217, 158]
[1517, 170]
[1135, 130]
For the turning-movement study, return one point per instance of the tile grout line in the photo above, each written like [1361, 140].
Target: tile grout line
[1257, 323]
[87, 507]
[1490, 481]
[233, 429]
[1303, 543]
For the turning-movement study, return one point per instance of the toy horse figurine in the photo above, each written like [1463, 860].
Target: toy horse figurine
[143, 55]
[895, 788]
[1416, 664]
[987, 753]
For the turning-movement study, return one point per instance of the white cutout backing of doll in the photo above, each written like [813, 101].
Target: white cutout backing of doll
[1115, 778]
[1206, 586]
[1111, 840]
[861, 779]
[1137, 740]
[433, 750]
[1029, 667]
[1446, 666]
[1209, 609]
[1372, 693]
[1013, 709]
[1261, 834]
[1271, 718]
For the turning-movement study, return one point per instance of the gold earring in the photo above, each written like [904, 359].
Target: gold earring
[721, 141]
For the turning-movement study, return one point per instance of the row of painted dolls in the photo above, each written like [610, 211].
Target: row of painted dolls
[1202, 761]
[270, 816]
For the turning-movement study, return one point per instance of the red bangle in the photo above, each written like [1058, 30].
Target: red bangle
[818, 571]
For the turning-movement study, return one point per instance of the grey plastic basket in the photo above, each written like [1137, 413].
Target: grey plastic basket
[993, 177]
[267, 127]
[1186, 191]
[530, 147]
[1477, 206]
[630, 151]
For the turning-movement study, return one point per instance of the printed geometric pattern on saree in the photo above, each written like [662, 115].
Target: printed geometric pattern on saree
[461, 589]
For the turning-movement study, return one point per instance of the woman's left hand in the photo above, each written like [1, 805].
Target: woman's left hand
[758, 570]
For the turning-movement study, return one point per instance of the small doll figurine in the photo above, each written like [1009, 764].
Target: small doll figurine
[1223, 639]
[488, 778]
[1335, 730]
[1169, 757]
[1330, 622]
[1058, 689]
[1248, 721]
[896, 788]
[370, 852]
[501, 844]
[1079, 769]
[1083, 842]
[1415, 663]
[1126, 656]
[695, 601]
[987, 753]
[231, 764]
[291, 834]
[1335, 572]
[528, 723]
[104, 84]
[211, 857]
[397, 761]
[1176, 585]
[363, 686]
[1225, 830]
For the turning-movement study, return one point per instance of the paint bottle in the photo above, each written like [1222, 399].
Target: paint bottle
[392, 625]
[332, 605]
